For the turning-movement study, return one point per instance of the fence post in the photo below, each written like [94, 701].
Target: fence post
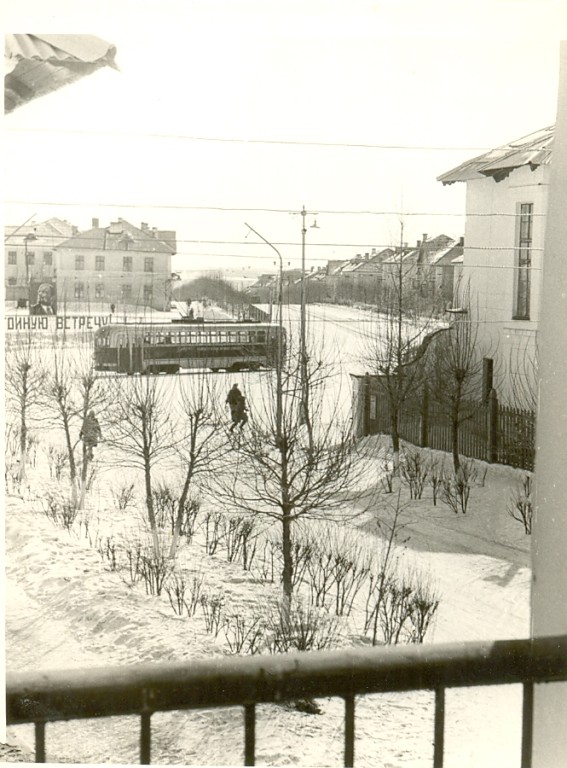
[424, 425]
[492, 427]
[366, 406]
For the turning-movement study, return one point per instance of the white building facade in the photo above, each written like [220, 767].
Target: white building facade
[506, 209]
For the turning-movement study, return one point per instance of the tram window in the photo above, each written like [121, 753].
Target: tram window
[261, 336]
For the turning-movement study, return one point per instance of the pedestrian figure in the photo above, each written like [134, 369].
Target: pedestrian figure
[237, 404]
[112, 308]
[90, 433]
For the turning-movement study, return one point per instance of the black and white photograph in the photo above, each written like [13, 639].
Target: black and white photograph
[285, 399]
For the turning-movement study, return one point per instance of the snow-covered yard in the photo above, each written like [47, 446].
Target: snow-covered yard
[66, 607]
[71, 603]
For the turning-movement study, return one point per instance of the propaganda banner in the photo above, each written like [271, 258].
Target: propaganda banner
[43, 298]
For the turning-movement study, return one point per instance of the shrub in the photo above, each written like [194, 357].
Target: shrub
[457, 487]
[300, 629]
[155, 569]
[212, 606]
[414, 470]
[60, 509]
[184, 594]
[520, 506]
[244, 635]
[123, 496]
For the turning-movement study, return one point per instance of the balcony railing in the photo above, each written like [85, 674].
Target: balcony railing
[42, 697]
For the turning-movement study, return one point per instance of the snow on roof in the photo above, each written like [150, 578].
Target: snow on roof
[533, 150]
[38, 64]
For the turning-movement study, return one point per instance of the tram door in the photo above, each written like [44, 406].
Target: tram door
[130, 357]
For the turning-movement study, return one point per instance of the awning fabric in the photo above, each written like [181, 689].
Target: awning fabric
[38, 64]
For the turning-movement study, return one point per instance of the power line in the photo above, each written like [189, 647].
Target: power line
[230, 209]
[237, 140]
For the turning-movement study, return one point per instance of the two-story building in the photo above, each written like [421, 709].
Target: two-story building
[506, 208]
[121, 265]
[30, 258]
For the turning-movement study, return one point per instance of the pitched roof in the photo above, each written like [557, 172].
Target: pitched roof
[38, 64]
[430, 252]
[52, 230]
[122, 236]
[533, 150]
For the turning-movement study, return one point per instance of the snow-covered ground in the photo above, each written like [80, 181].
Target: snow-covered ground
[66, 608]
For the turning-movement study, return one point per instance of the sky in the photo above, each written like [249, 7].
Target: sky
[227, 114]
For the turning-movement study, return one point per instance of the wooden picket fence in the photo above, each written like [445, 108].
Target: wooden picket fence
[488, 431]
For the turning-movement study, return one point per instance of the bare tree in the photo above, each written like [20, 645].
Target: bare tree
[72, 389]
[140, 429]
[396, 345]
[201, 442]
[25, 377]
[455, 370]
[284, 471]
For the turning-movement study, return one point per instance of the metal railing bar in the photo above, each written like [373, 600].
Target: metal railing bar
[349, 731]
[439, 728]
[40, 742]
[527, 725]
[75, 694]
[145, 738]
[249, 734]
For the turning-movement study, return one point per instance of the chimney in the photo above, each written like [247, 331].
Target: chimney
[462, 240]
[425, 237]
[95, 224]
[144, 226]
[75, 229]
[418, 244]
[366, 256]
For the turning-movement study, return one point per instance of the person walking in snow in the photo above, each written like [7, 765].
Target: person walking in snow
[237, 404]
[90, 433]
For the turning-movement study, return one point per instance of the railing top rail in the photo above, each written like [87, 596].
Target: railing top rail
[85, 693]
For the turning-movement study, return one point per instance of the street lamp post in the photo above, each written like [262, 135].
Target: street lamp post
[279, 363]
[27, 238]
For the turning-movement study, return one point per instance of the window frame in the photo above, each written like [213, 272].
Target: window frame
[523, 261]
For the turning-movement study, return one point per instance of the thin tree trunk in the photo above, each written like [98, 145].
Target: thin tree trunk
[287, 573]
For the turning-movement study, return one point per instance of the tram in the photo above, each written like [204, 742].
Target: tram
[169, 347]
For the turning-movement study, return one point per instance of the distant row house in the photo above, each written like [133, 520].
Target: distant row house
[432, 267]
[120, 265]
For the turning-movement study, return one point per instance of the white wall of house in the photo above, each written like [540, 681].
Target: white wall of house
[491, 268]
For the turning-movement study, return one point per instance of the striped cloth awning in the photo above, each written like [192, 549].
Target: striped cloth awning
[38, 64]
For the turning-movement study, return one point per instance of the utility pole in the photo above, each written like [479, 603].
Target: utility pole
[303, 327]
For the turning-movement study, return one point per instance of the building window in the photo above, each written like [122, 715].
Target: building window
[524, 261]
[99, 263]
[31, 257]
[79, 261]
[12, 281]
[48, 258]
[127, 291]
[149, 264]
[99, 290]
[79, 290]
[127, 263]
[147, 293]
[12, 257]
